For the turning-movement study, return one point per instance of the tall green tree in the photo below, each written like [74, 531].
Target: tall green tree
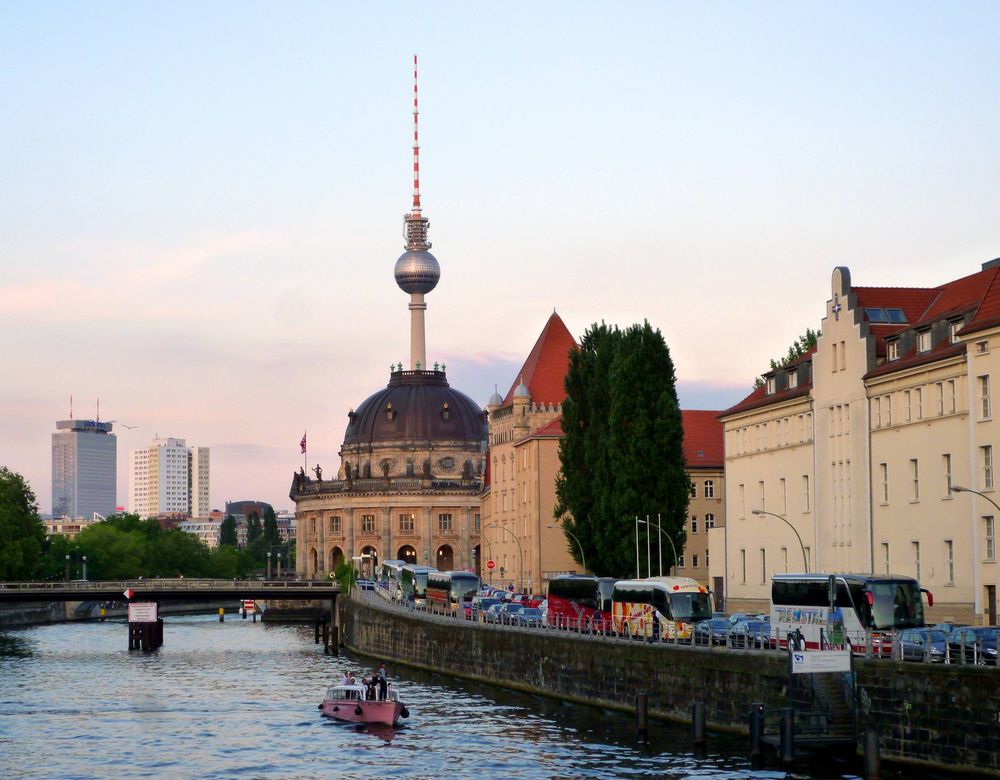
[22, 535]
[227, 532]
[797, 349]
[271, 527]
[622, 454]
[254, 528]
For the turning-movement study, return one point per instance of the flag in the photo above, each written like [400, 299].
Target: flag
[302, 444]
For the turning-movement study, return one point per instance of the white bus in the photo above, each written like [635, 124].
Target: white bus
[391, 572]
[659, 608]
[876, 604]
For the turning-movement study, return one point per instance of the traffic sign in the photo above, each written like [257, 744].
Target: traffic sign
[129, 593]
[490, 565]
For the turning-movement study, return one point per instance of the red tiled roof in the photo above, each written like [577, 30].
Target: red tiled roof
[914, 358]
[702, 439]
[988, 313]
[961, 296]
[757, 398]
[544, 372]
[912, 300]
[553, 428]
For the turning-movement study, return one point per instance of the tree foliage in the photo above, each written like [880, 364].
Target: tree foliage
[254, 528]
[798, 348]
[227, 532]
[622, 454]
[271, 534]
[22, 535]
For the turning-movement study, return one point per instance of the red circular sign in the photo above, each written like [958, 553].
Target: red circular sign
[490, 565]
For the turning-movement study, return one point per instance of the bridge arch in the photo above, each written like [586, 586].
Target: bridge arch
[336, 558]
[445, 558]
[406, 553]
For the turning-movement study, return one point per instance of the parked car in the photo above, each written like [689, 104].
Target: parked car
[508, 610]
[492, 614]
[920, 644]
[751, 633]
[527, 616]
[711, 632]
[978, 643]
[480, 605]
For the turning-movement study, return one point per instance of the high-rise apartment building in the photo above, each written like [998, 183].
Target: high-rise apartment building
[84, 465]
[169, 478]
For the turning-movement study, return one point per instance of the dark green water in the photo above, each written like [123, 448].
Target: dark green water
[240, 700]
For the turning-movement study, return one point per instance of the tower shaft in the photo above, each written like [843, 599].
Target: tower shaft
[418, 345]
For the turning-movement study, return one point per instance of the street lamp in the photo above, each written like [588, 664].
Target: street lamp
[805, 560]
[520, 554]
[269, 564]
[960, 489]
[583, 558]
[659, 536]
[279, 565]
[67, 567]
[85, 568]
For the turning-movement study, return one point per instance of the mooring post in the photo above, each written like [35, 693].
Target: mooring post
[159, 632]
[334, 640]
[326, 639]
[104, 614]
[756, 729]
[871, 755]
[131, 640]
[222, 614]
[698, 723]
[316, 640]
[255, 615]
[787, 735]
[642, 713]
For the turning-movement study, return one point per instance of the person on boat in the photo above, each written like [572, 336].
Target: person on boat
[346, 680]
[382, 677]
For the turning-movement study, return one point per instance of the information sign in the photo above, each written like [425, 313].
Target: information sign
[813, 661]
[142, 612]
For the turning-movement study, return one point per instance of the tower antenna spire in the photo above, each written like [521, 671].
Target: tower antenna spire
[416, 143]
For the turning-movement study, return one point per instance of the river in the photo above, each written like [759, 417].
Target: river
[239, 699]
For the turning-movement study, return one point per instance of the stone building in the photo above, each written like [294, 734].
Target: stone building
[410, 477]
[856, 447]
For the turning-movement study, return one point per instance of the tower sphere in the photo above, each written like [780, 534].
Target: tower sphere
[417, 271]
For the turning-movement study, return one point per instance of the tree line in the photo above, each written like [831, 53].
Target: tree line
[123, 546]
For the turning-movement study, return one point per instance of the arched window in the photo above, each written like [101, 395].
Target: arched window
[709, 489]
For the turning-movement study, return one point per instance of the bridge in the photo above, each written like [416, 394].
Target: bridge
[179, 589]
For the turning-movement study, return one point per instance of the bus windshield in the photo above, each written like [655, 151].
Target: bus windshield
[690, 607]
[896, 604]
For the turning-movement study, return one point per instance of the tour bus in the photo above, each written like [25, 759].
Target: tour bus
[580, 602]
[659, 608]
[413, 584]
[449, 590]
[390, 574]
[864, 603]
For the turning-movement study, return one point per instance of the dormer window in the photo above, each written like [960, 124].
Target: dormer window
[892, 350]
[793, 379]
[924, 341]
[390, 413]
[770, 386]
[445, 411]
[953, 328]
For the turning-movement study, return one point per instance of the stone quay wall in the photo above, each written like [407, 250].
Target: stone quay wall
[933, 715]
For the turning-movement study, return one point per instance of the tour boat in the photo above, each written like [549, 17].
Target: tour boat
[348, 702]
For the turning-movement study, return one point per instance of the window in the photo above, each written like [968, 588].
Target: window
[888, 410]
[984, 396]
[896, 316]
[805, 492]
[312, 526]
[892, 350]
[770, 386]
[406, 522]
[877, 412]
[885, 556]
[883, 470]
[793, 380]
[743, 501]
[709, 489]
[335, 524]
[680, 562]
[876, 315]
[833, 363]
[694, 524]
[694, 490]
[924, 341]
[784, 559]
[916, 558]
[784, 496]
[991, 539]
[946, 464]
[982, 347]
[949, 406]
[949, 557]
[476, 522]
[694, 561]
[760, 488]
[907, 415]
[763, 566]
[953, 328]
[743, 566]
[939, 387]
[918, 399]
[986, 456]
[444, 522]
[915, 480]
[368, 524]
[843, 355]
[706, 559]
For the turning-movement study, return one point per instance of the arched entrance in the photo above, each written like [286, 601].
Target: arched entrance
[336, 558]
[445, 558]
[313, 563]
[369, 562]
[407, 554]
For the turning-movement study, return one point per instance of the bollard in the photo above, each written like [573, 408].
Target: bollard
[316, 639]
[787, 735]
[326, 639]
[222, 614]
[255, 616]
[871, 755]
[642, 713]
[104, 613]
[756, 729]
[698, 723]
[243, 613]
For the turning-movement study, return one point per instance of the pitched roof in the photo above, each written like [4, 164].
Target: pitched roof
[758, 397]
[544, 372]
[553, 428]
[703, 446]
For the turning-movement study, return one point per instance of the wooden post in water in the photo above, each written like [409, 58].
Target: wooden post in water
[334, 640]
[642, 714]
[326, 639]
[756, 730]
[698, 723]
[871, 755]
[787, 736]
[316, 640]
[255, 615]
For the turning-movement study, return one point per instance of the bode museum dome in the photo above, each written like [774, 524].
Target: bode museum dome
[410, 478]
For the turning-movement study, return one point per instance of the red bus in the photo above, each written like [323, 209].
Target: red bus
[580, 602]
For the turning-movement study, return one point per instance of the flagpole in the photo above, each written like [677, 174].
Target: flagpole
[305, 451]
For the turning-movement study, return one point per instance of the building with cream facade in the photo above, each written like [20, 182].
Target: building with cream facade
[857, 445]
[169, 478]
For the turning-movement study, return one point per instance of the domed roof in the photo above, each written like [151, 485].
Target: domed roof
[522, 391]
[419, 406]
[417, 271]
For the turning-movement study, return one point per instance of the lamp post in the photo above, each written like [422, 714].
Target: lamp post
[805, 560]
[269, 564]
[67, 567]
[659, 530]
[583, 558]
[85, 568]
[960, 489]
[520, 555]
[279, 564]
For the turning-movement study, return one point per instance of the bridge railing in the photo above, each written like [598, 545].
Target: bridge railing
[179, 583]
